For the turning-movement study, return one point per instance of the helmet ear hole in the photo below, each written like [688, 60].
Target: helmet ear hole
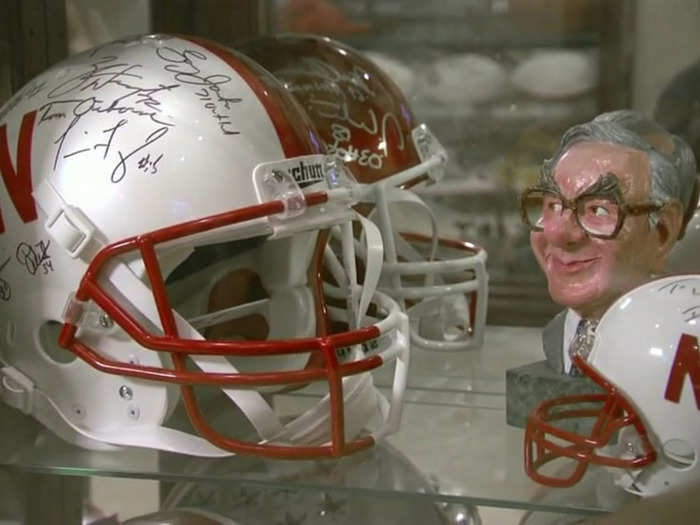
[679, 454]
[48, 342]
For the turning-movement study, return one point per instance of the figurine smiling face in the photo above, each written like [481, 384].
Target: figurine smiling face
[588, 273]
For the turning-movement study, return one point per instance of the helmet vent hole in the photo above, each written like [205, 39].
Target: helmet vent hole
[679, 454]
[48, 339]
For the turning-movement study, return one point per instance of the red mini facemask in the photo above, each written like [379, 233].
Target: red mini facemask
[546, 441]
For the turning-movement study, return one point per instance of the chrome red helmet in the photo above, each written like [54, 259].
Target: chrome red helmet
[366, 122]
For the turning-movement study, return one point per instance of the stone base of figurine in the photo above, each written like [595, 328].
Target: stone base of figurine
[528, 385]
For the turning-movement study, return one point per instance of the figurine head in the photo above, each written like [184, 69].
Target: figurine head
[607, 209]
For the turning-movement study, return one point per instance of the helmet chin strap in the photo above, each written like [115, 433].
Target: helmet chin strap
[345, 274]
[399, 247]
[361, 402]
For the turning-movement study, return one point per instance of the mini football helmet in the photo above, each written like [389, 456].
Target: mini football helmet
[366, 121]
[646, 426]
[165, 207]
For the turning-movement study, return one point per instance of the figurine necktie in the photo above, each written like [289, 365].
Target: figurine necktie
[582, 343]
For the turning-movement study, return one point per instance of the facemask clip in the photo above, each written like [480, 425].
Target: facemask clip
[277, 184]
[429, 147]
[86, 314]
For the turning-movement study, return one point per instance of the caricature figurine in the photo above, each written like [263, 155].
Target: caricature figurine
[607, 209]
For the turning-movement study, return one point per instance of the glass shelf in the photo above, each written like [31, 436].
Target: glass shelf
[454, 445]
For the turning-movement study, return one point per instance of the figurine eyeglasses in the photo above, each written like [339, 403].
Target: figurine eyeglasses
[599, 213]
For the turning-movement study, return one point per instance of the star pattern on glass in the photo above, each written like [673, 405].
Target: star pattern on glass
[246, 497]
[204, 495]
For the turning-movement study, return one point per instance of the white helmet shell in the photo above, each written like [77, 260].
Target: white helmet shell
[120, 165]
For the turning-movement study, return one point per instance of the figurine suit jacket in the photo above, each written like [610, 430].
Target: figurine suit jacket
[553, 341]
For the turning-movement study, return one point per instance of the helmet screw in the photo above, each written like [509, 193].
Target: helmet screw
[125, 392]
[106, 321]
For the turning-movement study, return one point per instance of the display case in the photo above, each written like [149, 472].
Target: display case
[455, 457]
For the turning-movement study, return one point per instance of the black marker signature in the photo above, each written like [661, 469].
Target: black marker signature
[678, 285]
[5, 290]
[133, 98]
[99, 74]
[86, 92]
[119, 171]
[106, 145]
[80, 108]
[77, 108]
[34, 259]
[148, 165]
[110, 131]
[691, 313]
[102, 73]
[182, 65]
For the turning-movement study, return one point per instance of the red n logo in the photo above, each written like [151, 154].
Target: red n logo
[19, 183]
[686, 362]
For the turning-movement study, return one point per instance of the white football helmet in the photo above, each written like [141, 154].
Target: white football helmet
[165, 210]
[367, 122]
[647, 424]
